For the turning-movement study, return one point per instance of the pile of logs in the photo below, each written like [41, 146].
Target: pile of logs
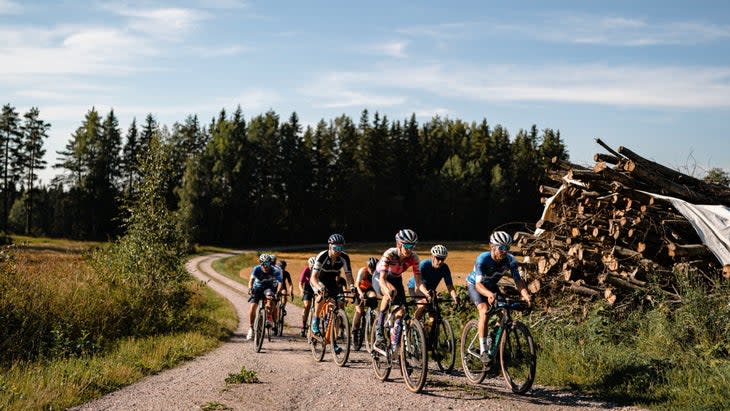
[602, 236]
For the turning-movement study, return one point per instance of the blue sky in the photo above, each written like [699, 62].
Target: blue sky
[653, 76]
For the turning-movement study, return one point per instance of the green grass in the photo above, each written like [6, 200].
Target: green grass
[65, 382]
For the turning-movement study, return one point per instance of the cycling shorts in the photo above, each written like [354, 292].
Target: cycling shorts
[397, 282]
[261, 292]
[476, 297]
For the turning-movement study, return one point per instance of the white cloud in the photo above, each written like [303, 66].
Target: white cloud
[393, 49]
[674, 87]
[620, 31]
[10, 7]
[169, 23]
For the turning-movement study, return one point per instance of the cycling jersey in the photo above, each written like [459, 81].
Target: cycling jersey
[263, 279]
[285, 277]
[488, 272]
[364, 279]
[396, 266]
[430, 276]
[330, 267]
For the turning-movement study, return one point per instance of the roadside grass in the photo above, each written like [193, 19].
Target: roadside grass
[58, 293]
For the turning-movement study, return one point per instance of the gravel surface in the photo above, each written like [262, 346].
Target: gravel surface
[291, 379]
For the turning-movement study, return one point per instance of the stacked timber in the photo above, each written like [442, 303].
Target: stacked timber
[602, 235]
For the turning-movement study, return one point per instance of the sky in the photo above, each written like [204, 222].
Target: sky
[653, 76]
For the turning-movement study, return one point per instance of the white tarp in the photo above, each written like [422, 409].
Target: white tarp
[712, 222]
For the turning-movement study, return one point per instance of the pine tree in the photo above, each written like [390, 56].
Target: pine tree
[130, 163]
[30, 158]
[10, 135]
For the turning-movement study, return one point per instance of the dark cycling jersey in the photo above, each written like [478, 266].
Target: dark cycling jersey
[329, 267]
[488, 272]
[285, 278]
[431, 277]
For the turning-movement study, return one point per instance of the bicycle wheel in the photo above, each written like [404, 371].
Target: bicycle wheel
[413, 355]
[340, 337]
[381, 363]
[317, 342]
[308, 325]
[369, 319]
[445, 346]
[517, 357]
[279, 328]
[358, 334]
[259, 327]
[470, 359]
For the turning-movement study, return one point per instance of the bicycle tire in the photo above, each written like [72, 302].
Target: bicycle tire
[358, 334]
[340, 337]
[369, 319]
[517, 357]
[258, 329]
[317, 345]
[381, 363]
[445, 346]
[279, 330]
[414, 355]
[470, 360]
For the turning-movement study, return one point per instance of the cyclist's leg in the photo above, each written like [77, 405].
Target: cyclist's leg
[483, 307]
[399, 299]
[358, 314]
[307, 302]
[383, 288]
[253, 306]
[422, 303]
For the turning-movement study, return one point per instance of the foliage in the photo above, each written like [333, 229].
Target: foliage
[243, 377]
[624, 356]
[718, 176]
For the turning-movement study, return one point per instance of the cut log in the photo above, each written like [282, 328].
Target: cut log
[690, 250]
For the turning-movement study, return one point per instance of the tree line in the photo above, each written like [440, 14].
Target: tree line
[268, 180]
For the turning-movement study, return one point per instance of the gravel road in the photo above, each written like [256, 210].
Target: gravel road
[290, 379]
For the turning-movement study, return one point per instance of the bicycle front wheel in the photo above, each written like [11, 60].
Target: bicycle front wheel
[358, 334]
[279, 329]
[470, 358]
[381, 362]
[414, 355]
[445, 347]
[369, 319]
[259, 328]
[517, 357]
[340, 337]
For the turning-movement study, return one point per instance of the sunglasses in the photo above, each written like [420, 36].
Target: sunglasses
[338, 247]
[408, 246]
[441, 259]
[503, 248]
[266, 264]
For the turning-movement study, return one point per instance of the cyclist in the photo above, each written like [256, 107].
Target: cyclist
[327, 266]
[286, 278]
[365, 289]
[307, 293]
[489, 267]
[265, 281]
[388, 280]
[433, 271]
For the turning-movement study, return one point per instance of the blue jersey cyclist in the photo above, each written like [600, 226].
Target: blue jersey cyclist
[264, 282]
[433, 271]
[489, 267]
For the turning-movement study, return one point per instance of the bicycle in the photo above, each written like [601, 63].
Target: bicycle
[334, 330]
[439, 335]
[281, 311]
[262, 323]
[412, 355]
[512, 346]
[363, 333]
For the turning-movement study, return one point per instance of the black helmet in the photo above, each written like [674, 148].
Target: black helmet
[372, 262]
[336, 239]
[282, 263]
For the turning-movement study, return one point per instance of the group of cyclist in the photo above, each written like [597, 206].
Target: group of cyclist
[383, 278]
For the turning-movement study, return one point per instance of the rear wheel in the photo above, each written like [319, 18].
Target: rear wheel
[279, 328]
[470, 358]
[369, 335]
[340, 337]
[414, 355]
[316, 342]
[518, 358]
[358, 334]
[381, 362]
[445, 348]
[259, 328]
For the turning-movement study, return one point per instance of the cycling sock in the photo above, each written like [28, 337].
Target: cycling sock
[482, 344]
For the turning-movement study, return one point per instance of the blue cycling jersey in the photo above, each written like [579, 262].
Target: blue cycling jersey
[431, 276]
[264, 279]
[488, 272]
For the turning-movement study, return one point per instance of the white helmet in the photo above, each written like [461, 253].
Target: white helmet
[439, 251]
[406, 236]
[500, 238]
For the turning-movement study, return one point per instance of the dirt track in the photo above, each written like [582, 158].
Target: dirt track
[291, 379]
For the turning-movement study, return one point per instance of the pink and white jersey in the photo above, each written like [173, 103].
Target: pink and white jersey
[391, 263]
